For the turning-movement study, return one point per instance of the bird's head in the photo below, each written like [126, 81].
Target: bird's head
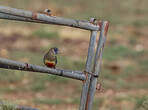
[54, 50]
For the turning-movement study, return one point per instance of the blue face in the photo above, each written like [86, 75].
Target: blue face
[56, 50]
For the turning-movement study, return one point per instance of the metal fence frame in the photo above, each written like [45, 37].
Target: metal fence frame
[92, 68]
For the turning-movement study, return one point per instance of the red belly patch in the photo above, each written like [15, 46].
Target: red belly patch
[50, 64]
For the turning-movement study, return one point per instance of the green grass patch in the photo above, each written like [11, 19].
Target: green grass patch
[75, 100]
[116, 52]
[129, 71]
[133, 40]
[33, 57]
[7, 106]
[4, 105]
[57, 79]
[42, 33]
[142, 103]
[143, 64]
[11, 76]
[122, 83]
[49, 101]
[98, 102]
[107, 74]
[37, 86]
[9, 89]
[43, 78]
[125, 97]
[69, 63]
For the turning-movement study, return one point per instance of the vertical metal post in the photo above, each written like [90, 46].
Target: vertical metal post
[88, 68]
[97, 64]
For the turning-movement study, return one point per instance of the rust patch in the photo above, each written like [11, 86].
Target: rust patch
[34, 15]
[100, 24]
[106, 28]
[86, 74]
[87, 101]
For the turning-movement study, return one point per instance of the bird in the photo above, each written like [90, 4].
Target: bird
[47, 12]
[50, 58]
[93, 21]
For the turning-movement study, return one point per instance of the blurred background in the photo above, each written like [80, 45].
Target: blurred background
[125, 60]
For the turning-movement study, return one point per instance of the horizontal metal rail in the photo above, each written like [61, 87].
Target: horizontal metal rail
[28, 16]
[18, 18]
[15, 65]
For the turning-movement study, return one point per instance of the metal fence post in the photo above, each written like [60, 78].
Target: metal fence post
[97, 65]
[88, 68]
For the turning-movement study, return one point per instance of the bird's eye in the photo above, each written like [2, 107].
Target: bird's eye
[48, 10]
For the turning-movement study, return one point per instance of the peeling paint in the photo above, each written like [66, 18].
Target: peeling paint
[86, 75]
[106, 28]
[87, 101]
[100, 24]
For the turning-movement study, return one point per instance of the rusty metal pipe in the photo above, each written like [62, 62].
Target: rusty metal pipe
[15, 65]
[97, 64]
[88, 68]
[43, 18]
[18, 18]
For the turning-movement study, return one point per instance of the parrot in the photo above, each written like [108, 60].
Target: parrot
[50, 58]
